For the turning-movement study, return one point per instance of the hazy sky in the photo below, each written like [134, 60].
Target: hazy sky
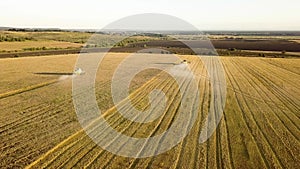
[204, 14]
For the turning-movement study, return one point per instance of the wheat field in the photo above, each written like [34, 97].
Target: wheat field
[259, 127]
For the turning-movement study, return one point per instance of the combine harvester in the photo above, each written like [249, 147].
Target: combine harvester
[78, 71]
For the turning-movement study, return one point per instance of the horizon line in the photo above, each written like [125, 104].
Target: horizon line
[94, 29]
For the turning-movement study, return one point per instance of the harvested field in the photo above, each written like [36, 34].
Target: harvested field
[259, 129]
[21, 46]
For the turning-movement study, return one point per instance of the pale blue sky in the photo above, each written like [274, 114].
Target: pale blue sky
[204, 14]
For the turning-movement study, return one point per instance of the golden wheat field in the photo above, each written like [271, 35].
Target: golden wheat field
[259, 128]
[19, 46]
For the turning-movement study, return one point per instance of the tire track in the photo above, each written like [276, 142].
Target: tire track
[155, 130]
[211, 156]
[198, 149]
[228, 142]
[34, 114]
[198, 123]
[266, 140]
[17, 133]
[276, 133]
[227, 162]
[151, 162]
[82, 145]
[99, 155]
[67, 139]
[219, 152]
[232, 81]
[276, 91]
[182, 146]
[27, 89]
[108, 162]
[280, 67]
[286, 116]
[271, 128]
[125, 128]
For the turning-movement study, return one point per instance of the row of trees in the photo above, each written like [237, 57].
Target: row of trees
[13, 39]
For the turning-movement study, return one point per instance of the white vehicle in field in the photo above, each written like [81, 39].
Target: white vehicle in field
[185, 62]
[78, 71]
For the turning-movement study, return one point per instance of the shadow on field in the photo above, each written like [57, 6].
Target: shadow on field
[53, 73]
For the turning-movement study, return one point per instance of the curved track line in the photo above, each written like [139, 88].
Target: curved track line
[26, 89]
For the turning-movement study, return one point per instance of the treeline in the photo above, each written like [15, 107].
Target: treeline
[7, 38]
[45, 48]
[145, 37]
[127, 41]
[35, 30]
[52, 30]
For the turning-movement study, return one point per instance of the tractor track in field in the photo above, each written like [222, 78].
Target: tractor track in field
[219, 150]
[19, 126]
[259, 147]
[261, 113]
[280, 67]
[228, 141]
[260, 126]
[17, 133]
[85, 136]
[35, 113]
[181, 146]
[208, 142]
[108, 145]
[182, 156]
[212, 143]
[21, 145]
[266, 103]
[133, 133]
[268, 82]
[217, 145]
[247, 95]
[205, 104]
[19, 120]
[267, 139]
[156, 128]
[279, 75]
[228, 163]
[27, 89]
[198, 150]
[116, 120]
[284, 148]
[226, 128]
[270, 127]
[47, 113]
[174, 113]
[152, 133]
[24, 110]
[40, 111]
[278, 97]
